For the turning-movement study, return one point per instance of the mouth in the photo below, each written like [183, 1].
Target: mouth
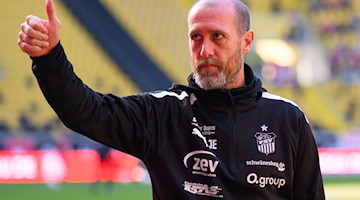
[208, 70]
[208, 66]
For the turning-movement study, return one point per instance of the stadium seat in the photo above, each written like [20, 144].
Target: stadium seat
[18, 85]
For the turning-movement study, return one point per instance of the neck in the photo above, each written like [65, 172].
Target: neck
[237, 80]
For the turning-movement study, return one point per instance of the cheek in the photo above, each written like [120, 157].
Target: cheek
[194, 51]
[193, 62]
[194, 56]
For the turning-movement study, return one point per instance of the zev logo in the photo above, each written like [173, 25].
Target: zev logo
[202, 162]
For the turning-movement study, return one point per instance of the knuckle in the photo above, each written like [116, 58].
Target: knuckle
[28, 17]
[34, 25]
[22, 26]
[27, 41]
[22, 37]
[22, 46]
[25, 28]
[19, 43]
[33, 22]
[29, 32]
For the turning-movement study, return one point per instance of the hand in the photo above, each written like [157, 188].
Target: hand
[37, 37]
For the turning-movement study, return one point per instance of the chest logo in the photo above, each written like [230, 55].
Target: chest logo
[202, 163]
[197, 131]
[265, 140]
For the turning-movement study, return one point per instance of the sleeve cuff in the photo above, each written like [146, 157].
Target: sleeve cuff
[49, 62]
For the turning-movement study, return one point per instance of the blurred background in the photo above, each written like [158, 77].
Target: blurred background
[305, 50]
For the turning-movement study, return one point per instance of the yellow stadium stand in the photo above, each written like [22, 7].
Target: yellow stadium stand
[160, 29]
[18, 86]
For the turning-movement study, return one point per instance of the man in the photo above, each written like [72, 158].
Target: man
[223, 136]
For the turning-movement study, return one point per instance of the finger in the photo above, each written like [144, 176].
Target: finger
[50, 11]
[36, 23]
[29, 49]
[33, 33]
[34, 42]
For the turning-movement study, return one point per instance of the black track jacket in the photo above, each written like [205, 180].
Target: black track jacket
[243, 143]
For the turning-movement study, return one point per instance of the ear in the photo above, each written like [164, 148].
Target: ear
[247, 41]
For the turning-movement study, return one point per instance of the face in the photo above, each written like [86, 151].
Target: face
[216, 48]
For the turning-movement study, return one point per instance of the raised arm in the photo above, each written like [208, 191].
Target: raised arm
[117, 122]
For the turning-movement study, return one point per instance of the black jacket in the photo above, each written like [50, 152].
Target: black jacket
[243, 143]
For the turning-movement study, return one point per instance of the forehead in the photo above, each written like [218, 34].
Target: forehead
[219, 17]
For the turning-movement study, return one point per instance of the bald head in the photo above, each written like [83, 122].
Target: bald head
[241, 11]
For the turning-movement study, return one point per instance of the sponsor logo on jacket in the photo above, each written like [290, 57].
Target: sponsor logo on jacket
[203, 131]
[265, 141]
[202, 163]
[203, 189]
[263, 181]
[279, 165]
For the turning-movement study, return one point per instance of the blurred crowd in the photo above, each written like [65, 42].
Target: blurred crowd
[54, 136]
[338, 24]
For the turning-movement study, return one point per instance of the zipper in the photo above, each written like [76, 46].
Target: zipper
[231, 114]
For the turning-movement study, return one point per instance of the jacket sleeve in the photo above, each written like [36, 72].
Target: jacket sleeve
[121, 123]
[308, 184]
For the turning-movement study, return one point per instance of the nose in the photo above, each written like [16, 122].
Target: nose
[207, 50]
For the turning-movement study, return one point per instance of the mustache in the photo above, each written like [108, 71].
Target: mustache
[208, 61]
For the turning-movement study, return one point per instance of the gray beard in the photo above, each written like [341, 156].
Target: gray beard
[207, 82]
[210, 81]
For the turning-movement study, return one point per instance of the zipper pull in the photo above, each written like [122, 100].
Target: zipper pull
[231, 98]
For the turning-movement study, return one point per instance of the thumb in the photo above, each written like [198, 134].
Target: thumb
[50, 11]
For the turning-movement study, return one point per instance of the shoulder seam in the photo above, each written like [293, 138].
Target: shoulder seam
[270, 96]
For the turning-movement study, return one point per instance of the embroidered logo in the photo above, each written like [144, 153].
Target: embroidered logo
[204, 131]
[196, 131]
[265, 141]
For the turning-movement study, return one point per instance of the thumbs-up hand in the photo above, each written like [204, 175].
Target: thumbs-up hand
[37, 37]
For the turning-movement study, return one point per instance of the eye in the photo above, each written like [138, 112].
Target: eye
[218, 36]
[195, 37]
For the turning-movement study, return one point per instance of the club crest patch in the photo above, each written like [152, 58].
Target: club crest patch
[265, 141]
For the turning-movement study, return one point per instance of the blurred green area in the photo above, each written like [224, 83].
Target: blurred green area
[76, 191]
[342, 187]
[336, 188]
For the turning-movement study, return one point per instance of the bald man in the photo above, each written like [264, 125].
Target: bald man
[221, 137]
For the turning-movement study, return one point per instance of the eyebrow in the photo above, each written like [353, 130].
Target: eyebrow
[220, 31]
[214, 31]
[194, 32]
